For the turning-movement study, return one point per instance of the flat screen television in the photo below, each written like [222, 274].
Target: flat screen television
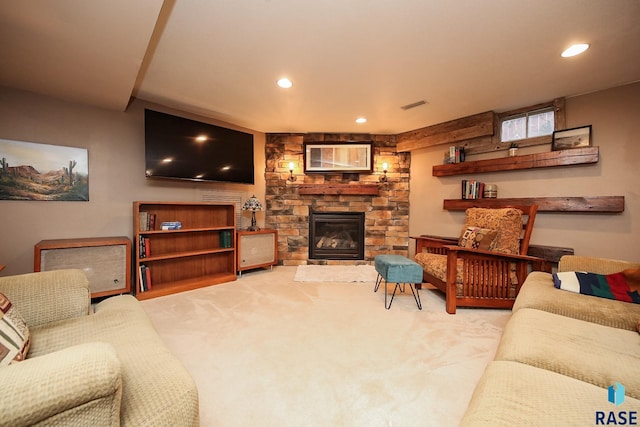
[180, 148]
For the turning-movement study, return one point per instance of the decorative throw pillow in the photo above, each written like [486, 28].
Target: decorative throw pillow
[507, 220]
[477, 238]
[14, 333]
[611, 286]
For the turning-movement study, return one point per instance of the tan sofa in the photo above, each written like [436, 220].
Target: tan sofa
[102, 367]
[559, 354]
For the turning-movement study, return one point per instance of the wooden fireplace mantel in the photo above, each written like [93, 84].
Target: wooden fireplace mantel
[339, 189]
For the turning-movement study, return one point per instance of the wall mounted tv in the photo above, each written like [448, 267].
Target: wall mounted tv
[179, 148]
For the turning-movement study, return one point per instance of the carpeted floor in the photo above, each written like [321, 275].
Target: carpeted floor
[268, 351]
[335, 273]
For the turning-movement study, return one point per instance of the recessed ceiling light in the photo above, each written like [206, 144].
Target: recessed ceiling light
[201, 138]
[361, 120]
[285, 83]
[575, 49]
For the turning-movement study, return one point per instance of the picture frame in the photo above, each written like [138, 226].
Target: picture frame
[33, 171]
[338, 157]
[571, 138]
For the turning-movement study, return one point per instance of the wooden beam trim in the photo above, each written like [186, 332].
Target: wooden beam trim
[446, 133]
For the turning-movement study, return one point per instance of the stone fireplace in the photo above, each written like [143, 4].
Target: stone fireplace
[291, 204]
[336, 235]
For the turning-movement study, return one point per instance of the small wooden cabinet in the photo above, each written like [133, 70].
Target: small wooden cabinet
[105, 260]
[199, 253]
[257, 249]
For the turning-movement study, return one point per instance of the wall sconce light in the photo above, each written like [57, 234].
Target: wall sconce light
[383, 178]
[291, 176]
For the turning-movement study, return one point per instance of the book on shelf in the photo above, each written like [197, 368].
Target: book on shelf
[146, 221]
[455, 155]
[225, 239]
[472, 189]
[144, 276]
[144, 247]
[171, 225]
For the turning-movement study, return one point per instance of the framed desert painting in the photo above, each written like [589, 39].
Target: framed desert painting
[30, 171]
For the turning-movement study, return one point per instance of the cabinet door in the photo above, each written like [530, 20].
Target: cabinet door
[256, 249]
[105, 266]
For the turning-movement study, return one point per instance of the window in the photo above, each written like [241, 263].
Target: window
[527, 125]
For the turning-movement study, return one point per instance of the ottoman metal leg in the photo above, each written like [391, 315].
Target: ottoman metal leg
[416, 295]
[401, 286]
[378, 280]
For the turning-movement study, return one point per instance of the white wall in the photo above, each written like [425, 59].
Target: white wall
[616, 130]
[115, 142]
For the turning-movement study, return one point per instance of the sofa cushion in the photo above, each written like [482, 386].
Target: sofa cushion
[14, 333]
[477, 238]
[611, 286]
[583, 350]
[515, 394]
[538, 292]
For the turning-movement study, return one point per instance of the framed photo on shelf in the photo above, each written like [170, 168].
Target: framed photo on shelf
[322, 157]
[571, 138]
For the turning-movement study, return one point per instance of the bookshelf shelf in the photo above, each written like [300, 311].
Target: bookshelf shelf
[201, 253]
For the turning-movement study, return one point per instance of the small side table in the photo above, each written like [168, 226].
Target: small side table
[256, 249]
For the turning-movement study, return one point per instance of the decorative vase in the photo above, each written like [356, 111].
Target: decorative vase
[513, 152]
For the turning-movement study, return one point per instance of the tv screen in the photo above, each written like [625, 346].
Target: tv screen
[180, 148]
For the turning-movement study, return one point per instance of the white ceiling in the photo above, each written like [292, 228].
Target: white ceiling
[347, 58]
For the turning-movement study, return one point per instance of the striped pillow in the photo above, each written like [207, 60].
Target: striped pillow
[14, 333]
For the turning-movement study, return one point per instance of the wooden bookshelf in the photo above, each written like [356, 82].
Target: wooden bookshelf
[574, 156]
[194, 256]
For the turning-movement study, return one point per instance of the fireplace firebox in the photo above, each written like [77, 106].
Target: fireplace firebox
[336, 235]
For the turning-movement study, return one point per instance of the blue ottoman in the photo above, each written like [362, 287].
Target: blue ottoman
[399, 270]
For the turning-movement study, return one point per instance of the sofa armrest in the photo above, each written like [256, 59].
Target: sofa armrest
[593, 265]
[80, 385]
[48, 296]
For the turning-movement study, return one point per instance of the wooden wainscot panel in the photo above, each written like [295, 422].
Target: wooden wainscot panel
[348, 189]
[466, 128]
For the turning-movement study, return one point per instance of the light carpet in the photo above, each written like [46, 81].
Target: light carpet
[268, 351]
[336, 273]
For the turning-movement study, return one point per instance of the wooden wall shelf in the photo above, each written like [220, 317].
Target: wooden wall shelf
[594, 204]
[340, 189]
[575, 156]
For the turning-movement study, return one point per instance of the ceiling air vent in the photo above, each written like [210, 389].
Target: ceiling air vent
[414, 105]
